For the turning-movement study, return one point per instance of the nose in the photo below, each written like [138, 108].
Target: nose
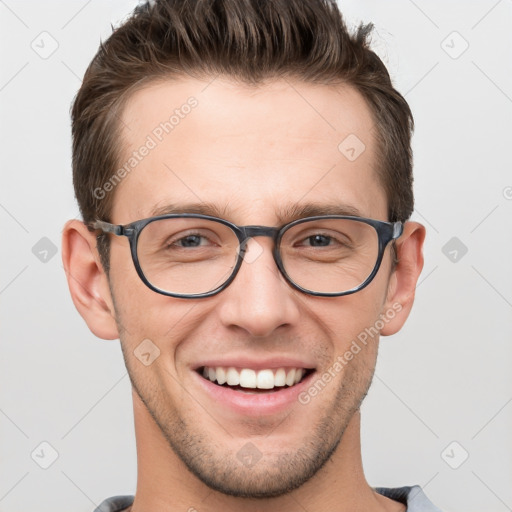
[259, 300]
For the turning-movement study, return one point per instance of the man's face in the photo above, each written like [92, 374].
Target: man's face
[251, 153]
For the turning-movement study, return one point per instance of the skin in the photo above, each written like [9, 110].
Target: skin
[249, 151]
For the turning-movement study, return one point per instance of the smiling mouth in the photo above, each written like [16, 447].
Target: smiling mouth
[254, 381]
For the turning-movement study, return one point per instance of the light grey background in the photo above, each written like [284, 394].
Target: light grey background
[444, 378]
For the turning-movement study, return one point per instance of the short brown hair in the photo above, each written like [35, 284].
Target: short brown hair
[250, 41]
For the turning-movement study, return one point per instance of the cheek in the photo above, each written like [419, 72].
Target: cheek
[347, 317]
[140, 312]
[152, 323]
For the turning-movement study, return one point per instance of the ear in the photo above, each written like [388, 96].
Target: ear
[403, 280]
[87, 280]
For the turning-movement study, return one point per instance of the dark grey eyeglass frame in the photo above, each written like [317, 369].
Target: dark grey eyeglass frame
[386, 232]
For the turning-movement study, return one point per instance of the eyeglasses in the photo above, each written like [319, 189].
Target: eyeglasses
[194, 255]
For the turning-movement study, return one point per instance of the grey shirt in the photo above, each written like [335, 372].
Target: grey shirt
[413, 497]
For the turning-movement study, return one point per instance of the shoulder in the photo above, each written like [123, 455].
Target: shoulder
[414, 497]
[115, 504]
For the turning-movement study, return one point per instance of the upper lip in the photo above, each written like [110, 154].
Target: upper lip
[256, 364]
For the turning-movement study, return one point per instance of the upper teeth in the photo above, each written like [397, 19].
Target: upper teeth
[248, 378]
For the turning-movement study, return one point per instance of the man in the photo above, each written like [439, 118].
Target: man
[243, 168]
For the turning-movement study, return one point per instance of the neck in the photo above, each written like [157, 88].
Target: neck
[165, 484]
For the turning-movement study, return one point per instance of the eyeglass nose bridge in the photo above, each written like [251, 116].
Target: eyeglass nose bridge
[252, 231]
[246, 233]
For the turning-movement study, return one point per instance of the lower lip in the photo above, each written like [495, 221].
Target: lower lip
[258, 403]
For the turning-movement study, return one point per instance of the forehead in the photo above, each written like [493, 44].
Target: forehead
[248, 150]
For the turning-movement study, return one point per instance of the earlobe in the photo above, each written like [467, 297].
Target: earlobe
[87, 281]
[403, 281]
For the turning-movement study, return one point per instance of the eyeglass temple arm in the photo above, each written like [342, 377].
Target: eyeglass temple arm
[398, 228]
[106, 227]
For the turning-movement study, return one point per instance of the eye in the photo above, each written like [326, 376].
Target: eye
[319, 240]
[190, 241]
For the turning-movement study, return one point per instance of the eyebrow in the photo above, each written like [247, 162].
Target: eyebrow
[201, 208]
[285, 214]
[292, 212]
